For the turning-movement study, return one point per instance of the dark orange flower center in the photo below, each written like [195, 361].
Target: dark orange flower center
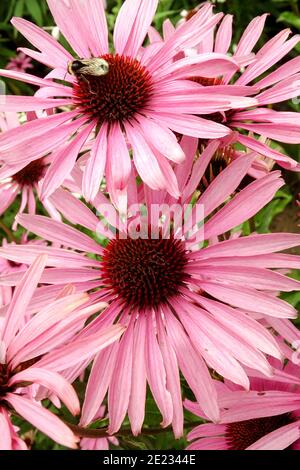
[144, 272]
[243, 434]
[31, 174]
[117, 96]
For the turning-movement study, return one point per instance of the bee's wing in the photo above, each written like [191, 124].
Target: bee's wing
[93, 66]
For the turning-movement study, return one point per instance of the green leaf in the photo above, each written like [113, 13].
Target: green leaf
[19, 8]
[35, 11]
[290, 18]
[264, 218]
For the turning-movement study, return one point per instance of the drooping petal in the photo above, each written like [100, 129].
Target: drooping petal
[52, 381]
[120, 386]
[43, 419]
[63, 162]
[22, 296]
[156, 375]
[94, 169]
[137, 400]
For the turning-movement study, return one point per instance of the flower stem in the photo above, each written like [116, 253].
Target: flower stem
[8, 233]
[103, 432]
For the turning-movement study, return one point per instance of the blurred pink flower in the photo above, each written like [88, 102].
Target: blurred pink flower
[21, 179]
[185, 307]
[266, 418]
[279, 84]
[143, 100]
[20, 63]
[33, 350]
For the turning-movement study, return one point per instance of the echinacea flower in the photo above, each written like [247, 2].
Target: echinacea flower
[185, 306]
[142, 101]
[28, 343]
[20, 63]
[271, 80]
[266, 418]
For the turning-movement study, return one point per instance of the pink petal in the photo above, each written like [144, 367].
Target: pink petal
[251, 35]
[156, 375]
[212, 443]
[206, 65]
[11, 103]
[80, 349]
[120, 386]
[33, 129]
[118, 161]
[257, 195]
[199, 168]
[137, 400]
[52, 381]
[173, 378]
[74, 210]
[63, 162]
[30, 335]
[21, 298]
[225, 183]
[193, 126]
[5, 430]
[132, 24]
[83, 24]
[269, 55]
[206, 430]
[43, 419]
[94, 169]
[254, 277]
[52, 51]
[255, 244]
[250, 299]
[188, 35]
[279, 439]
[284, 132]
[224, 35]
[162, 139]
[193, 368]
[265, 150]
[56, 256]
[33, 80]
[286, 70]
[145, 161]
[257, 335]
[98, 382]
[59, 232]
[32, 148]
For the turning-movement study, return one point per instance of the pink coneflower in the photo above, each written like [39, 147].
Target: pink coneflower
[142, 100]
[185, 307]
[21, 179]
[20, 63]
[266, 418]
[33, 351]
[278, 85]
